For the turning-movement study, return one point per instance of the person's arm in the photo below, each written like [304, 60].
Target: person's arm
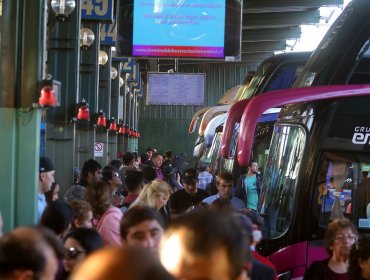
[240, 190]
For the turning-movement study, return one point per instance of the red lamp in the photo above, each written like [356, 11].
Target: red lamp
[47, 97]
[101, 120]
[128, 130]
[121, 130]
[113, 125]
[83, 111]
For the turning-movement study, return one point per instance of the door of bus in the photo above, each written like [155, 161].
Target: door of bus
[291, 165]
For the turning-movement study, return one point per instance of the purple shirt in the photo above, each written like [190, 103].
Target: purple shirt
[159, 174]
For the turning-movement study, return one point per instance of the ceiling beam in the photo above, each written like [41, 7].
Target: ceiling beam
[265, 6]
[273, 20]
[264, 46]
[271, 34]
[258, 56]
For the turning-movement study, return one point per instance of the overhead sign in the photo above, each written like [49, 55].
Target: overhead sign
[131, 67]
[98, 149]
[108, 34]
[101, 10]
[138, 86]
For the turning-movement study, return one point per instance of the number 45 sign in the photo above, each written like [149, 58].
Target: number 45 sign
[101, 10]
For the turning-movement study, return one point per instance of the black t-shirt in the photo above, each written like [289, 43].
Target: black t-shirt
[180, 201]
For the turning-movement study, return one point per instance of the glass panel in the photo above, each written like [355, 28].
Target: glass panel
[213, 153]
[255, 82]
[284, 78]
[227, 165]
[280, 178]
[343, 190]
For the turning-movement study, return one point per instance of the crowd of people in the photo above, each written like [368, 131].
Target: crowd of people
[156, 218]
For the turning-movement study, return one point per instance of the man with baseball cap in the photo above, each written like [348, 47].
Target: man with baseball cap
[46, 179]
[190, 195]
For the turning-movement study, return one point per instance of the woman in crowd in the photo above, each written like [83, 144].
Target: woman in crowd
[53, 194]
[99, 195]
[155, 194]
[111, 176]
[359, 263]
[340, 236]
[78, 244]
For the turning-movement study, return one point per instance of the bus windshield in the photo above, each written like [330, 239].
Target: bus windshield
[280, 178]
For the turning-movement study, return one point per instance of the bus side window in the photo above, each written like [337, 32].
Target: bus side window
[334, 191]
[364, 196]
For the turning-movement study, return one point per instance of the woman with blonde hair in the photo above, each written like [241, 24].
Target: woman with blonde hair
[155, 194]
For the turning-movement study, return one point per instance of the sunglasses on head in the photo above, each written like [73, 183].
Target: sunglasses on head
[72, 253]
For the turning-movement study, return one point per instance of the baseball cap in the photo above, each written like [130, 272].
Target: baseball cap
[190, 174]
[46, 165]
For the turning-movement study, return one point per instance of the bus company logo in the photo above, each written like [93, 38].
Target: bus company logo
[361, 135]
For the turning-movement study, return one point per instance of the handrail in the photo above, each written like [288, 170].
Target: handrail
[210, 131]
[196, 117]
[233, 116]
[210, 114]
[261, 103]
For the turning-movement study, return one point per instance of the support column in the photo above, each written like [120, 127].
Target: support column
[64, 66]
[21, 70]
[89, 90]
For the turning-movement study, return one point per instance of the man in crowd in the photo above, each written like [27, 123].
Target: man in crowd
[91, 172]
[29, 253]
[146, 158]
[128, 263]
[168, 156]
[205, 245]
[128, 163]
[190, 195]
[225, 187]
[142, 226]
[134, 185]
[248, 187]
[46, 179]
[205, 178]
[157, 160]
